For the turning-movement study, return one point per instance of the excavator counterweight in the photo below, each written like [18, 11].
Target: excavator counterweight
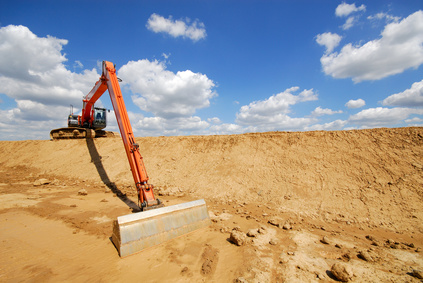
[156, 223]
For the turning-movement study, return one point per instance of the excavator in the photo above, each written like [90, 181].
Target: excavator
[155, 223]
[88, 125]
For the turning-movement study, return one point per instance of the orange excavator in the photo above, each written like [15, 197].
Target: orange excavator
[88, 125]
[156, 223]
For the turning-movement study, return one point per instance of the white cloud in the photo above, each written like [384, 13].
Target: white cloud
[18, 45]
[414, 120]
[399, 48]
[166, 56]
[214, 120]
[381, 16]
[226, 129]
[279, 103]
[271, 114]
[194, 31]
[331, 126]
[349, 23]
[355, 103]
[33, 73]
[164, 93]
[35, 111]
[28, 129]
[380, 117]
[31, 120]
[32, 68]
[344, 9]
[329, 40]
[412, 97]
[78, 65]
[173, 98]
[319, 111]
[155, 126]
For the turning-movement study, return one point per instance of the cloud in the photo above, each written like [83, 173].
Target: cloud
[329, 40]
[414, 120]
[399, 48]
[344, 9]
[177, 28]
[324, 111]
[271, 114]
[381, 16]
[28, 129]
[412, 97]
[380, 117]
[349, 23]
[331, 126]
[164, 93]
[42, 78]
[172, 98]
[155, 126]
[33, 73]
[78, 65]
[166, 56]
[214, 120]
[226, 129]
[355, 103]
[18, 46]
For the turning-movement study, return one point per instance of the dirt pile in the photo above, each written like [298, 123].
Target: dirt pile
[297, 188]
[372, 177]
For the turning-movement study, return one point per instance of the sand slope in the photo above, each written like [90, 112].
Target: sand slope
[355, 183]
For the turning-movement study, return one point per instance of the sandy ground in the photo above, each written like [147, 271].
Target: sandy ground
[311, 199]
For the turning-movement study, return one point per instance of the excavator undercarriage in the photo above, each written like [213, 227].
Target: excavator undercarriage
[79, 133]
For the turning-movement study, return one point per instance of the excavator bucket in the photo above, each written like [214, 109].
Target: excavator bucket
[135, 232]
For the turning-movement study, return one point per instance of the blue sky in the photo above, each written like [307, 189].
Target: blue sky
[214, 67]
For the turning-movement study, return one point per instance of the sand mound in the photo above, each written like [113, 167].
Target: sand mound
[368, 176]
[366, 179]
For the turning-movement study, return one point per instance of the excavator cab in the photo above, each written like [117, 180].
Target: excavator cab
[99, 118]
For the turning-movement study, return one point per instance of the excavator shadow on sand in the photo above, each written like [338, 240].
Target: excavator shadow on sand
[96, 159]
[155, 223]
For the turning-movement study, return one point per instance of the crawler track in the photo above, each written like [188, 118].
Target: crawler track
[78, 133]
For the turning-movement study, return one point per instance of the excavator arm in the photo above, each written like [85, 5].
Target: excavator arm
[109, 81]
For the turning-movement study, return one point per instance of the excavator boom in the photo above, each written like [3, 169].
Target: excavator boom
[109, 81]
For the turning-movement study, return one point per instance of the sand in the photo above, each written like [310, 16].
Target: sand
[360, 190]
